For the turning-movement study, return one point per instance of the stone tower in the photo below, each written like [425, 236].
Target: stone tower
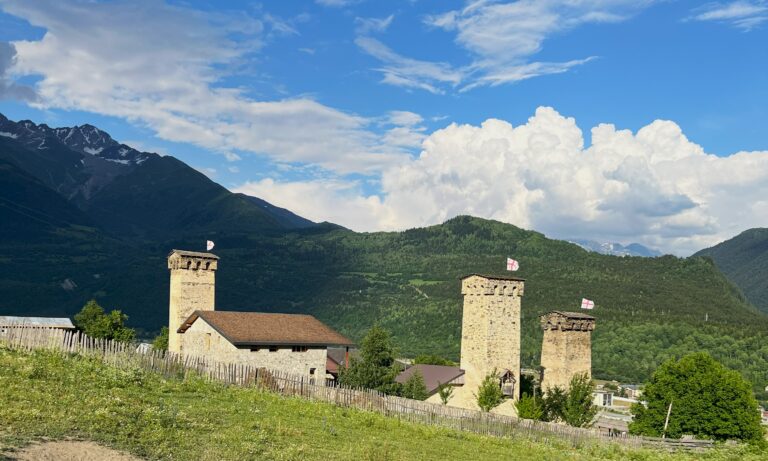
[567, 347]
[490, 330]
[193, 286]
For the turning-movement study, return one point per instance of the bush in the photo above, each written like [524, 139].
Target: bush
[160, 343]
[530, 407]
[414, 387]
[445, 391]
[708, 401]
[579, 409]
[489, 395]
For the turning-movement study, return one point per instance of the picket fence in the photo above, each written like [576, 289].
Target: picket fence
[170, 365]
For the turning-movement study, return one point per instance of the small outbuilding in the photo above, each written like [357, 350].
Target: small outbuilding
[54, 323]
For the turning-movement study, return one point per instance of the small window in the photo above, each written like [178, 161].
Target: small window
[312, 371]
[299, 349]
[272, 348]
[255, 349]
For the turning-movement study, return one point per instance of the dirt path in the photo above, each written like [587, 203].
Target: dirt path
[68, 451]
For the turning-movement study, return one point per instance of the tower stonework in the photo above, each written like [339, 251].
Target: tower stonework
[193, 286]
[490, 330]
[567, 347]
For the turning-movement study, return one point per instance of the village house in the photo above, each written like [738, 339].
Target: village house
[53, 323]
[292, 343]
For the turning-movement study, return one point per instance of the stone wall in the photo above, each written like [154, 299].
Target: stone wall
[203, 340]
[193, 287]
[566, 349]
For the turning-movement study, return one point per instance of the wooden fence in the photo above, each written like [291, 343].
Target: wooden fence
[125, 355]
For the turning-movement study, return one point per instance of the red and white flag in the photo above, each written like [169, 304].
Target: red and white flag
[209, 245]
[512, 265]
[587, 304]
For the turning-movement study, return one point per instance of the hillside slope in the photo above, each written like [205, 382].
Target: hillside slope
[744, 260]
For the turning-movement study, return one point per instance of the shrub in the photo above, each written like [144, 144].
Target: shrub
[579, 409]
[445, 391]
[530, 407]
[489, 394]
[414, 387]
[94, 322]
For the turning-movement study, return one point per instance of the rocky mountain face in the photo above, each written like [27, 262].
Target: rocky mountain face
[129, 193]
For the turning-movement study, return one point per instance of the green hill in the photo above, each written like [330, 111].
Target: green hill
[744, 260]
[56, 397]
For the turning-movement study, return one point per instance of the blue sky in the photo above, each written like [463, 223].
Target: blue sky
[389, 115]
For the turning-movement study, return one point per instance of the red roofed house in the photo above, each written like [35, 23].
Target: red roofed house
[293, 343]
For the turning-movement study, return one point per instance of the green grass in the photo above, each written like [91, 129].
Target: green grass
[47, 395]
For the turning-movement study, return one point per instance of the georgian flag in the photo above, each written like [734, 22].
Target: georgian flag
[587, 304]
[512, 265]
[209, 245]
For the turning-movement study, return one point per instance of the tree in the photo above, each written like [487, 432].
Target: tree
[579, 409]
[376, 367]
[445, 391]
[554, 404]
[530, 407]
[708, 401]
[432, 360]
[160, 343]
[414, 387]
[489, 393]
[94, 322]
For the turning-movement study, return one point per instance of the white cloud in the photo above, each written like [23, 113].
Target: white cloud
[744, 15]
[501, 38]
[8, 88]
[402, 71]
[655, 186]
[160, 66]
[369, 25]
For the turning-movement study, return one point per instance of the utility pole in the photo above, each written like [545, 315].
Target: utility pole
[666, 422]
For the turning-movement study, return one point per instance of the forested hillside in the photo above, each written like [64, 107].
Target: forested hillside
[86, 217]
[744, 260]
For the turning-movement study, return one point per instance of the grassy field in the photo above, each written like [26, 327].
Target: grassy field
[46, 395]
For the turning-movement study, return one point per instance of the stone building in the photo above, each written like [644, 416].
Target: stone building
[292, 343]
[567, 347]
[490, 336]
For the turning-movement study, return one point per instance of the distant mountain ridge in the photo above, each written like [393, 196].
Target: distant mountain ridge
[128, 193]
[616, 249]
[744, 260]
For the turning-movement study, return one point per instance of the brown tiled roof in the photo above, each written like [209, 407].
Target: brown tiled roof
[433, 375]
[259, 328]
[495, 277]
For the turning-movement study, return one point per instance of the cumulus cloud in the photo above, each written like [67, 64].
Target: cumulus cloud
[501, 39]
[745, 15]
[8, 88]
[161, 66]
[655, 186]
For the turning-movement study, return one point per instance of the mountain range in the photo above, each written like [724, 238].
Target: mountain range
[616, 249]
[84, 216]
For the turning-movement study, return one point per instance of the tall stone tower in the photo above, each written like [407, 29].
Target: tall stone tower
[490, 330]
[567, 347]
[193, 286]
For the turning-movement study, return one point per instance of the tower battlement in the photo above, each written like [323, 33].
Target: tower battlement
[192, 260]
[486, 285]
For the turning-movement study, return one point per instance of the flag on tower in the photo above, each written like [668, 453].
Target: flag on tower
[587, 304]
[512, 265]
[209, 245]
